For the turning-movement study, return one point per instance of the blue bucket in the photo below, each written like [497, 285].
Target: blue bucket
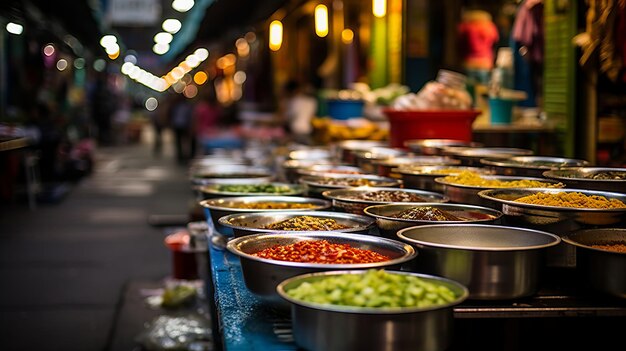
[501, 110]
[345, 109]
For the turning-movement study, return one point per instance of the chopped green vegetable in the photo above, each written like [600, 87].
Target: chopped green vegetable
[375, 288]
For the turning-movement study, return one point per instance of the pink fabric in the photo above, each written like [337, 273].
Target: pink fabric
[477, 41]
[528, 28]
[205, 118]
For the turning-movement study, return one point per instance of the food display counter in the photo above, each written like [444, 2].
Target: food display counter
[246, 322]
[563, 308]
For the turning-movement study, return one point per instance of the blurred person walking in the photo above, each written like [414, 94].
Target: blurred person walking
[206, 114]
[299, 109]
[181, 123]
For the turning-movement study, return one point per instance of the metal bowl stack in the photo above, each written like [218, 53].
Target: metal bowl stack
[389, 224]
[529, 166]
[471, 156]
[243, 224]
[347, 199]
[214, 209]
[262, 275]
[494, 262]
[436, 146]
[338, 328]
[591, 178]
[344, 150]
[385, 168]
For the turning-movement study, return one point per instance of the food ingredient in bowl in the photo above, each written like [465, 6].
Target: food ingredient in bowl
[307, 223]
[385, 196]
[474, 179]
[321, 251]
[612, 175]
[254, 188]
[427, 213]
[268, 205]
[375, 288]
[346, 181]
[621, 248]
[571, 199]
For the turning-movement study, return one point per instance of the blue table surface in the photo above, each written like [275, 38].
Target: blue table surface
[246, 322]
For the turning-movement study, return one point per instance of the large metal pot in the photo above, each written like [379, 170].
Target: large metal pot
[385, 167]
[435, 146]
[529, 166]
[602, 270]
[590, 178]
[344, 328]
[494, 262]
[472, 156]
[423, 177]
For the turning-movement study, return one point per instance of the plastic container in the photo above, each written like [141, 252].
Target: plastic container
[184, 264]
[435, 124]
[345, 109]
[500, 110]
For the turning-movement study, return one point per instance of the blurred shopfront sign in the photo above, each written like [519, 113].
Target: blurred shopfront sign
[133, 12]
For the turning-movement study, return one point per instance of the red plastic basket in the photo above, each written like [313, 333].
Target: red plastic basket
[436, 124]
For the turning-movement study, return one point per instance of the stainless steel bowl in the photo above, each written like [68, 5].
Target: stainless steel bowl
[343, 201]
[494, 262]
[582, 178]
[529, 166]
[289, 168]
[553, 219]
[468, 194]
[214, 209]
[324, 170]
[342, 328]
[231, 174]
[385, 167]
[365, 158]
[424, 177]
[601, 270]
[344, 150]
[255, 222]
[315, 185]
[212, 191]
[471, 156]
[388, 225]
[435, 146]
[262, 275]
[311, 154]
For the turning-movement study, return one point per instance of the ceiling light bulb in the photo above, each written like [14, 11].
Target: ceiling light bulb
[108, 40]
[15, 28]
[182, 5]
[163, 38]
[171, 25]
[160, 48]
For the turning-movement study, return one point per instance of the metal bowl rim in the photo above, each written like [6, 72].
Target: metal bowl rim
[408, 252]
[295, 189]
[550, 174]
[497, 214]
[371, 310]
[414, 172]
[422, 243]
[326, 214]
[441, 181]
[488, 194]
[444, 160]
[433, 194]
[384, 181]
[484, 152]
[323, 204]
[568, 239]
[512, 162]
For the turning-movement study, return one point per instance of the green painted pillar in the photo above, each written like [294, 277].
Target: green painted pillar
[378, 53]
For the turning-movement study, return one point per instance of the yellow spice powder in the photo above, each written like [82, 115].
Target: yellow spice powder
[474, 179]
[571, 199]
